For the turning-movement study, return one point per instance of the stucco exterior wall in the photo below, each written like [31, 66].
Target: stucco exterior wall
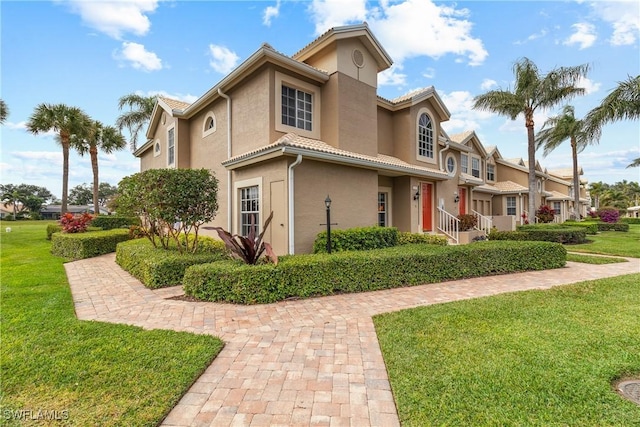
[352, 205]
[385, 125]
[357, 115]
[148, 160]
[251, 109]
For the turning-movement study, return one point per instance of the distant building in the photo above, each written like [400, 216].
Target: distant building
[53, 211]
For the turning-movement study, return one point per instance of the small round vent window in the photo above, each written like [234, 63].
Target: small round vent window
[358, 58]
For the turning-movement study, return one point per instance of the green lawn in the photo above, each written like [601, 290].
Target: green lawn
[612, 243]
[536, 358]
[594, 259]
[100, 374]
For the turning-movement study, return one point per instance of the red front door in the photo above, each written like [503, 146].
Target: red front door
[462, 204]
[427, 206]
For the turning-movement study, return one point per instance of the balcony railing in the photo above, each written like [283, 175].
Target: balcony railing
[484, 222]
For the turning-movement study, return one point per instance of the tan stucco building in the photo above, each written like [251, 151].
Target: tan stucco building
[282, 133]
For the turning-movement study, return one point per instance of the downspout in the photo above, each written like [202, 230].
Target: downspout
[229, 193]
[291, 206]
[446, 143]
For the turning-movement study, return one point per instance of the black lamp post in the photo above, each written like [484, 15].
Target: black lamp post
[327, 203]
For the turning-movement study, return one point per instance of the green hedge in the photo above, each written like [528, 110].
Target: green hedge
[158, 268]
[53, 228]
[628, 220]
[613, 226]
[357, 239]
[357, 271]
[589, 227]
[109, 222]
[571, 235]
[87, 245]
[405, 238]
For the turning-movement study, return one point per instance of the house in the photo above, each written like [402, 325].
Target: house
[282, 133]
[53, 211]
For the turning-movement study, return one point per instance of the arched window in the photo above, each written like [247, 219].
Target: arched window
[425, 136]
[209, 124]
[156, 148]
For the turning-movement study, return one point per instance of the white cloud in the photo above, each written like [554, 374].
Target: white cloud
[177, 96]
[334, 13]
[429, 73]
[138, 57]
[624, 17]
[589, 85]
[23, 126]
[532, 37]
[115, 18]
[488, 84]
[270, 12]
[407, 29]
[222, 59]
[392, 77]
[585, 35]
[463, 116]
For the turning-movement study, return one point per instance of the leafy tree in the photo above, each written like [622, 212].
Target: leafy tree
[106, 192]
[564, 127]
[24, 197]
[622, 103]
[100, 137]
[67, 122]
[170, 202]
[532, 90]
[33, 204]
[80, 195]
[4, 111]
[596, 190]
[139, 114]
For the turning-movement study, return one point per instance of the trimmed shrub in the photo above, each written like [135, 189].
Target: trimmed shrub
[543, 233]
[304, 276]
[357, 239]
[545, 214]
[628, 220]
[9, 217]
[615, 226]
[86, 245]
[405, 238]
[589, 227]
[109, 222]
[53, 228]
[609, 215]
[467, 222]
[159, 268]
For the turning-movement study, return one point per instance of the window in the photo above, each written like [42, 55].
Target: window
[383, 207]
[156, 148]
[297, 108]
[511, 205]
[209, 124]
[491, 172]
[249, 210]
[171, 147]
[475, 167]
[464, 163]
[425, 136]
[557, 208]
[451, 165]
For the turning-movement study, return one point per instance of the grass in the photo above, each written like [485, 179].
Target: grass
[92, 373]
[591, 259]
[616, 243]
[536, 358]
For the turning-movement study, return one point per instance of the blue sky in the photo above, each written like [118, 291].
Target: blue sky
[89, 53]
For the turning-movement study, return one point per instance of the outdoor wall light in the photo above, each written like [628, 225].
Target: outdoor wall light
[456, 198]
[417, 195]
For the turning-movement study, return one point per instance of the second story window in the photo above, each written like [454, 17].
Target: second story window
[425, 137]
[297, 108]
[475, 167]
[464, 163]
[491, 172]
[171, 147]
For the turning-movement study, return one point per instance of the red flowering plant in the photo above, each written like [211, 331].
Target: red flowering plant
[609, 215]
[524, 218]
[75, 223]
[545, 214]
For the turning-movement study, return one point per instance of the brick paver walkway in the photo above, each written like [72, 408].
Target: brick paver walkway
[305, 362]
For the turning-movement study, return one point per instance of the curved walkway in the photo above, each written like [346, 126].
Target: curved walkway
[305, 362]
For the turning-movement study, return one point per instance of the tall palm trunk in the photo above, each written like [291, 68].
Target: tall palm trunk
[93, 152]
[576, 179]
[532, 164]
[64, 140]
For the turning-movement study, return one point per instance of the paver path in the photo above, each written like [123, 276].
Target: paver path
[293, 363]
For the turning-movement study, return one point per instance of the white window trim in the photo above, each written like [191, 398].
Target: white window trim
[283, 79]
[494, 172]
[506, 205]
[389, 192]
[157, 152]
[455, 164]
[470, 166]
[175, 146]
[464, 156]
[425, 159]
[236, 191]
[205, 131]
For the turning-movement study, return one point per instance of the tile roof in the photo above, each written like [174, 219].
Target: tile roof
[459, 137]
[555, 195]
[174, 103]
[296, 141]
[465, 178]
[510, 187]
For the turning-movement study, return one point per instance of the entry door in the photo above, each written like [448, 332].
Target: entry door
[278, 228]
[462, 204]
[427, 206]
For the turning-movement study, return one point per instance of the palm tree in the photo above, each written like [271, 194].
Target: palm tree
[558, 129]
[596, 191]
[139, 115]
[68, 122]
[100, 137]
[532, 91]
[622, 103]
[4, 111]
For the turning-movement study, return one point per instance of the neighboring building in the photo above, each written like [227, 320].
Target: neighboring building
[281, 133]
[53, 211]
